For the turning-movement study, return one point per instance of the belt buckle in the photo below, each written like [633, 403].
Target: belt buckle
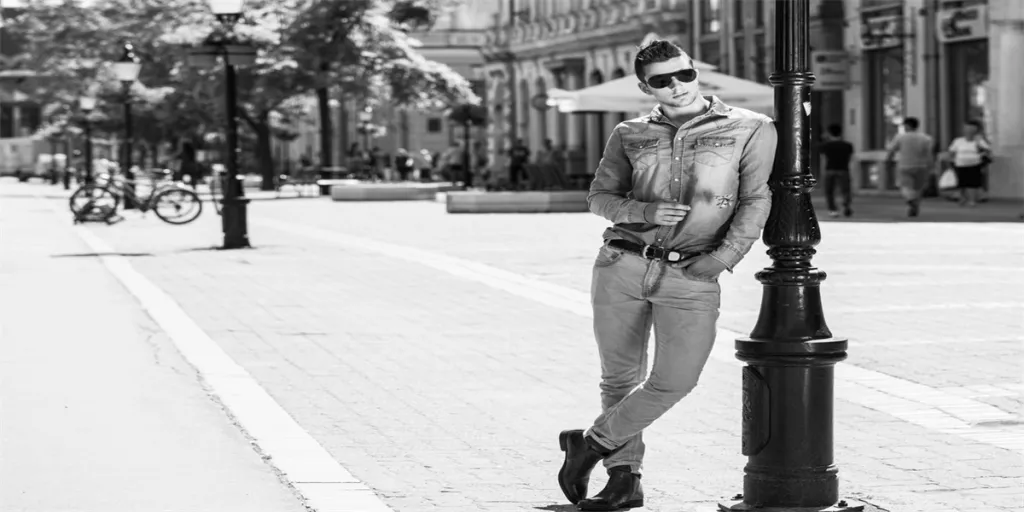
[674, 256]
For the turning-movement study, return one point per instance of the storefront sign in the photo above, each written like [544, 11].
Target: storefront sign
[831, 70]
[963, 23]
[880, 32]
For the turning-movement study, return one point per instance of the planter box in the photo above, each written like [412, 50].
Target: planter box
[573, 201]
[385, 191]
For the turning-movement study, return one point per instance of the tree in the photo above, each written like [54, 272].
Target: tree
[74, 44]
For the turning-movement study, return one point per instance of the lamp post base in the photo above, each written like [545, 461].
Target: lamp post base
[742, 506]
[234, 223]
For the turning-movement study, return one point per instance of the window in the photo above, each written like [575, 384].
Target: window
[30, 118]
[711, 52]
[967, 63]
[759, 13]
[761, 63]
[709, 14]
[737, 14]
[886, 98]
[434, 125]
[740, 57]
[6, 121]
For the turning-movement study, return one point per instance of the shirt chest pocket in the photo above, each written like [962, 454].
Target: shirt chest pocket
[642, 153]
[714, 151]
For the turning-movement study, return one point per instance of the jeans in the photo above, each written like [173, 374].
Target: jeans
[631, 294]
[834, 177]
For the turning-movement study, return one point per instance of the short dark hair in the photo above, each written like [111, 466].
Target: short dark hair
[977, 124]
[835, 130]
[911, 123]
[658, 50]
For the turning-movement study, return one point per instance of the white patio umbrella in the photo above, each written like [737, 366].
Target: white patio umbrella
[623, 95]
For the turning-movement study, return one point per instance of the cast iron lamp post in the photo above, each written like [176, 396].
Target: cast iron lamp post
[791, 354]
[365, 118]
[222, 43]
[87, 104]
[468, 115]
[126, 70]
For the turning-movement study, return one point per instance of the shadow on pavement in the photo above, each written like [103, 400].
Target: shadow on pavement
[558, 508]
[98, 254]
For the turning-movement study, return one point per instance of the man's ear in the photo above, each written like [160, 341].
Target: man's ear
[645, 88]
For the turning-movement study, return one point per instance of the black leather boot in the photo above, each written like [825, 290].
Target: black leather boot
[581, 455]
[622, 491]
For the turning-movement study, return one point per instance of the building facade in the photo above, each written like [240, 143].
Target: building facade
[876, 62]
[571, 44]
[944, 62]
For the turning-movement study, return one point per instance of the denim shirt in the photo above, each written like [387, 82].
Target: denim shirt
[718, 163]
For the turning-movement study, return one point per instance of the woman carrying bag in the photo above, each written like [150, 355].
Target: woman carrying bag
[969, 153]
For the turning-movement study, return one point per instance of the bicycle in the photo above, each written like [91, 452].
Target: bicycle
[172, 202]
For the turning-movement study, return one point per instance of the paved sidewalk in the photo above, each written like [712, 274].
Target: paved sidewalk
[442, 384]
[100, 413]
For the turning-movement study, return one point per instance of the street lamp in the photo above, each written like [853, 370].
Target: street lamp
[365, 117]
[791, 354]
[87, 104]
[224, 44]
[126, 70]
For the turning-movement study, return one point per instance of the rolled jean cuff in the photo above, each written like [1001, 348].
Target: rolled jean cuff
[601, 440]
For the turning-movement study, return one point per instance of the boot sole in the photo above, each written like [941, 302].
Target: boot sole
[629, 504]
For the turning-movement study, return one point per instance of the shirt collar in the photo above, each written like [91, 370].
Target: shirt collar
[717, 107]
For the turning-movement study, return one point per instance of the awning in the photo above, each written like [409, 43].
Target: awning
[623, 95]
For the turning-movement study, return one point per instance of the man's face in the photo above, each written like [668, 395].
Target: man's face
[676, 93]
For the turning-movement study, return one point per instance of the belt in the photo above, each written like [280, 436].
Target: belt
[650, 252]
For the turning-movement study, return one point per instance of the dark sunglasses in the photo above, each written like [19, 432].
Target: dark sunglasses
[664, 80]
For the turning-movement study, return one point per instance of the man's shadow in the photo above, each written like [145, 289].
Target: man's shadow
[558, 508]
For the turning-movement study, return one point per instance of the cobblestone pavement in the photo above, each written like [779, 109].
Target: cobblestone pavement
[445, 391]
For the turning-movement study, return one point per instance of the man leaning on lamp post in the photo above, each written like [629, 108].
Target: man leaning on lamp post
[686, 188]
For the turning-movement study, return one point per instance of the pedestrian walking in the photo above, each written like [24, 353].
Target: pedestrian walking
[837, 153]
[686, 189]
[916, 152]
[519, 155]
[970, 153]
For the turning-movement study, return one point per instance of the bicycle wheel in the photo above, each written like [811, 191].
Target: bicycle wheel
[93, 202]
[177, 205]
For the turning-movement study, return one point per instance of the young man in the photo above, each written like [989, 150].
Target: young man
[916, 156]
[837, 153]
[686, 188]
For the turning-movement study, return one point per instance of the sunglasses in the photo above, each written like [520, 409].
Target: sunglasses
[664, 80]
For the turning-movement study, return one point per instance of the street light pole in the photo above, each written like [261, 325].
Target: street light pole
[235, 205]
[87, 104]
[126, 70]
[126, 157]
[791, 354]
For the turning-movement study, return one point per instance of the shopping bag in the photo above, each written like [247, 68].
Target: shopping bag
[948, 180]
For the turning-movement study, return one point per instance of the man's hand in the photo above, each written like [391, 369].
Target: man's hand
[706, 266]
[670, 214]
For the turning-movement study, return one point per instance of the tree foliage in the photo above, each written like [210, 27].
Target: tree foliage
[359, 47]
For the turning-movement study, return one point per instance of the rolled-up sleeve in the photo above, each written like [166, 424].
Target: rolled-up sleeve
[612, 184]
[755, 197]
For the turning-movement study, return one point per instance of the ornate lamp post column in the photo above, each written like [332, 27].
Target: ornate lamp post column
[126, 70]
[790, 354]
[87, 104]
[222, 44]
[365, 117]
